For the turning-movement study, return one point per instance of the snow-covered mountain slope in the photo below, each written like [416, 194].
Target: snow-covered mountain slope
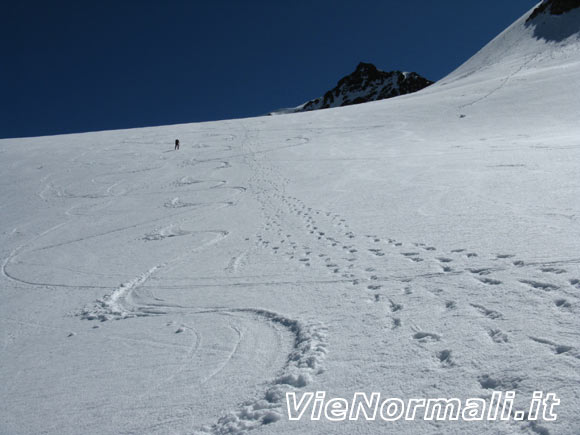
[423, 246]
[532, 43]
[366, 83]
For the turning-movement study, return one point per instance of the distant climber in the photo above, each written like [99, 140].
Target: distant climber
[176, 144]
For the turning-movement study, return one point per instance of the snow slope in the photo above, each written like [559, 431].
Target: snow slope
[423, 246]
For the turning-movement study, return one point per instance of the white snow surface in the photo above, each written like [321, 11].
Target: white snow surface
[422, 246]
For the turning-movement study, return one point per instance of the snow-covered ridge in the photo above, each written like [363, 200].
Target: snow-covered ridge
[537, 40]
[366, 83]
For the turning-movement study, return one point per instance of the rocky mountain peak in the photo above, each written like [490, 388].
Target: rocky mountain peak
[367, 83]
[554, 7]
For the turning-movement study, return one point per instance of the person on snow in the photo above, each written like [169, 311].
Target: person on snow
[176, 144]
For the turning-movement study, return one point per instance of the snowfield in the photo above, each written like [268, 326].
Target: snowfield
[423, 246]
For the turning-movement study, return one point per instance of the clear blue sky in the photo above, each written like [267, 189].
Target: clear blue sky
[70, 66]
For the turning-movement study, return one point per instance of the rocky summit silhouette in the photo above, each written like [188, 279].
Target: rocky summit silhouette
[366, 83]
[554, 7]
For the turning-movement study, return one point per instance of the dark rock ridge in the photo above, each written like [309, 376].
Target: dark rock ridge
[554, 7]
[367, 83]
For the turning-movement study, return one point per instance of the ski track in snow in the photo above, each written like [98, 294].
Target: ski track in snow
[336, 247]
[330, 243]
[318, 239]
[304, 360]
